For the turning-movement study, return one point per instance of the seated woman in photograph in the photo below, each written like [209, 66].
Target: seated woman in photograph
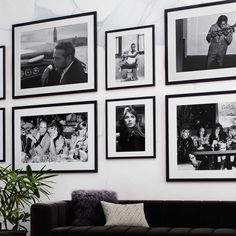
[79, 142]
[201, 140]
[40, 142]
[185, 148]
[231, 144]
[201, 143]
[217, 141]
[57, 140]
[132, 136]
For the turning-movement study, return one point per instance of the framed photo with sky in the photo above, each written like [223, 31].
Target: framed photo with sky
[55, 56]
[200, 43]
[2, 135]
[130, 57]
[61, 136]
[201, 136]
[2, 72]
[130, 128]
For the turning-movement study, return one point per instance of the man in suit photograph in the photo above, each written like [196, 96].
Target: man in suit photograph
[66, 69]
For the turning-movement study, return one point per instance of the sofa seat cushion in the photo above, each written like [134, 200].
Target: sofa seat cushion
[139, 231]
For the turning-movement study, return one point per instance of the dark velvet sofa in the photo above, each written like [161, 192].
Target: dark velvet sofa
[163, 217]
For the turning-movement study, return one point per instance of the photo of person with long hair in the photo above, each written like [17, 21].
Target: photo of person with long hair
[130, 129]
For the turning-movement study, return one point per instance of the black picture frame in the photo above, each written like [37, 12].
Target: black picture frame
[189, 53]
[33, 45]
[2, 135]
[140, 141]
[136, 70]
[76, 137]
[2, 72]
[190, 157]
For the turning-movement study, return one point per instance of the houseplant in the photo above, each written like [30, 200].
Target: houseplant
[17, 191]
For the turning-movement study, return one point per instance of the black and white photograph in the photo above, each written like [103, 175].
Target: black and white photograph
[55, 56]
[200, 43]
[61, 136]
[201, 136]
[2, 135]
[130, 57]
[130, 128]
[2, 72]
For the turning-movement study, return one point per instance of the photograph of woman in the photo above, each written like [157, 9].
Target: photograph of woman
[131, 129]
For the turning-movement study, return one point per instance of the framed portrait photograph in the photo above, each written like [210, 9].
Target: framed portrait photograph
[2, 135]
[61, 136]
[55, 56]
[200, 43]
[130, 57]
[2, 72]
[201, 136]
[130, 128]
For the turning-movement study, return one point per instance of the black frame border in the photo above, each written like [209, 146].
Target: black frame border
[94, 14]
[95, 170]
[153, 98]
[153, 56]
[166, 11]
[167, 97]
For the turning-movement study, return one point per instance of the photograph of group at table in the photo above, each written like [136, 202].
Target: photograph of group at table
[54, 138]
[206, 137]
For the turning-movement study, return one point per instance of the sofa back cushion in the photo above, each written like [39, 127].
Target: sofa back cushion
[191, 214]
[86, 206]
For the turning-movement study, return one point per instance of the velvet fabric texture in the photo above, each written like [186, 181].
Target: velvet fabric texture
[86, 206]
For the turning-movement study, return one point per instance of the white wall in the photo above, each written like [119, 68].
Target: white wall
[132, 179]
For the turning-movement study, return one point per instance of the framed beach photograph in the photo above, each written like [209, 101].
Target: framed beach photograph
[201, 136]
[200, 43]
[130, 128]
[130, 57]
[2, 135]
[61, 136]
[55, 56]
[2, 72]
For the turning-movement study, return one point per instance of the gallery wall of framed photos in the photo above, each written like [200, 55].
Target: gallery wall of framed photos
[158, 71]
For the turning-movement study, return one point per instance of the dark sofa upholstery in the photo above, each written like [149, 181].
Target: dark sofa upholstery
[164, 218]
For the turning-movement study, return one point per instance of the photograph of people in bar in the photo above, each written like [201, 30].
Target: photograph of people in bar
[206, 136]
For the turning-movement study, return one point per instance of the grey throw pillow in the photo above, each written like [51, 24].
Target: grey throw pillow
[86, 206]
[124, 214]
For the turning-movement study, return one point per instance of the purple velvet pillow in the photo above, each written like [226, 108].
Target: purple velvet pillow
[86, 206]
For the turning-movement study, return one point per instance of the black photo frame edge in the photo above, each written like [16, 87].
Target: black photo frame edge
[167, 97]
[94, 14]
[152, 26]
[166, 11]
[3, 134]
[3, 47]
[154, 127]
[94, 102]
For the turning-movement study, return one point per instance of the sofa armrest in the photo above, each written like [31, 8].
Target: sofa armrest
[45, 216]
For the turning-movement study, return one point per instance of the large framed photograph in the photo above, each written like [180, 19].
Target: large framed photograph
[2, 72]
[2, 135]
[55, 56]
[200, 43]
[130, 128]
[61, 136]
[130, 57]
[201, 136]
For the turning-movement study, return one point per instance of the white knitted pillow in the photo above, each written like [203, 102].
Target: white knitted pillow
[124, 214]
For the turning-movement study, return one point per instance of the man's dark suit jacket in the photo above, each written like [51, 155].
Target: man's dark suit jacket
[75, 74]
